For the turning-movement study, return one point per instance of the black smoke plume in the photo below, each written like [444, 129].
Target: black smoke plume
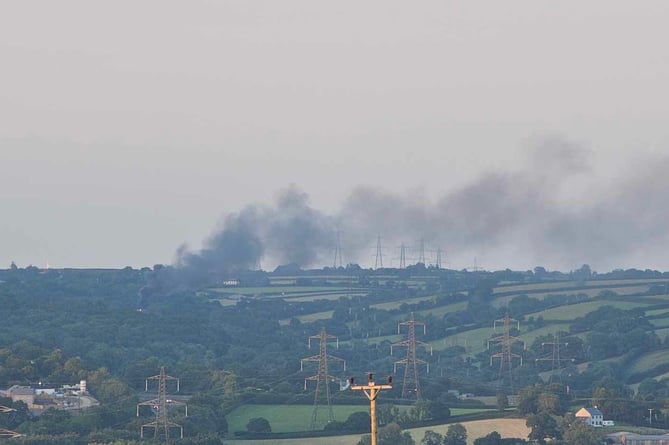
[554, 209]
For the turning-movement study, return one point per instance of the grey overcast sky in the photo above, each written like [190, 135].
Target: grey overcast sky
[513, 134]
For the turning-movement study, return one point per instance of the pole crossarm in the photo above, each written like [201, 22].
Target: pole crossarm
[371, 390]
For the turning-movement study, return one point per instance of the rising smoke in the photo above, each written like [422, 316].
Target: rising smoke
[553, 211]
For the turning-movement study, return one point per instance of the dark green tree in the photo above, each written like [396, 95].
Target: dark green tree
[494, 438]
[258, 425]
[432, 438]
[544, 426]
[456, 435]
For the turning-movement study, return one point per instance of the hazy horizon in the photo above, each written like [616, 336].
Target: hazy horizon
[510, 135]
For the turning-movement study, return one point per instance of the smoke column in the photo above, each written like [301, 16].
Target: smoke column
[553, 211]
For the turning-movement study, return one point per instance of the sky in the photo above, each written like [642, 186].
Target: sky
[505, 134]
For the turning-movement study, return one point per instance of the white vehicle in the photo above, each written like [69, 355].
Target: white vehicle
[608, 423]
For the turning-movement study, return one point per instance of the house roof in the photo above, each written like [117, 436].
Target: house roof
[589, 412]
[17, 390]
[594, 411]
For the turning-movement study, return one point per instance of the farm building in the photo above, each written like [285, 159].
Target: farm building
[625, 438]
[591, 416]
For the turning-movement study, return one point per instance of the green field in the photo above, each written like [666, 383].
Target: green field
[523, 288]
[277, 290]
[308, 318]
[321, 296]
[442, 310]
[572, 311]
[546, 330]
[649, 361]
[621, 291]
[287, 418]
[291, 418]
[473, 341]
[397, 303]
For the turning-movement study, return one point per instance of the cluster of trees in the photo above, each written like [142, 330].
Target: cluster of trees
[114, 328]
[544, 407]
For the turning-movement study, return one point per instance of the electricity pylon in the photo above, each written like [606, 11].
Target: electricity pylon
[411, 363]
[338, 262]
[438, 263]
[371, 390]
[506, 340]
[555, 357]
[8, 434]
[403, 258]
[161, 426]
[378, 263]
[421, 251]
[323, 378]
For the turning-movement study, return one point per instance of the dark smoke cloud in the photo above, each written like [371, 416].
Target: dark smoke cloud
[288, 232]
[554, 210]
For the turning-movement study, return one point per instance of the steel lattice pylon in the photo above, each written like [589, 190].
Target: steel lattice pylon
[506, 340]
[555, 357]
[411, 363]
[338, 262]
[323, 377]
[162, 425]
[421, 252]
[378, 262]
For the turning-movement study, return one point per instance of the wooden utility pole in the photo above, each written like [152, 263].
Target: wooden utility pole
[371, 390]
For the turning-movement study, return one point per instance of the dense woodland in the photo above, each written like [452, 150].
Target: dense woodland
[115, 328]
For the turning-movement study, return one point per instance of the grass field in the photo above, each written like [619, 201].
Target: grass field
[546, 330]
[572, 311]
[573, 284]
[277, 290]
[287, 418]
[317, 296]
[473, 341]
[308, 318]
[443, 310]
[291, 418]
[475, 429]
[397, 303]
[649, 361]
[622, 291]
